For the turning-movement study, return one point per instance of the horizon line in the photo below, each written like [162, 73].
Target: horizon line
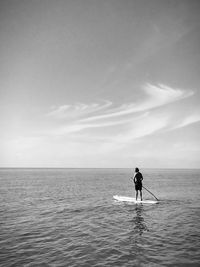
[156, 168]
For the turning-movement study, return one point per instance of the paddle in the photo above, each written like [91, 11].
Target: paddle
[147, 190]
[150, 193]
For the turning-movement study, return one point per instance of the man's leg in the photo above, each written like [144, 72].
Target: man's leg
[141, 195]
[136, 194]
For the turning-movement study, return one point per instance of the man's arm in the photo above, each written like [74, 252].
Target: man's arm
[132, 178]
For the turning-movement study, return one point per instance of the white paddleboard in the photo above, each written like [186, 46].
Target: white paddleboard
[131, 199]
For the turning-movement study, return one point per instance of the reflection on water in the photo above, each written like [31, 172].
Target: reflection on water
[139, 225]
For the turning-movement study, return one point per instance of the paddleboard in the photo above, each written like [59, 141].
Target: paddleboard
[131, 199]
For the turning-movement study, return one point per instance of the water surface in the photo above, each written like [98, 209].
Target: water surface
[67, 217]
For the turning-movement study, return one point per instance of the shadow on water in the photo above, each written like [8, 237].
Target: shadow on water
[137, 227]
[138, 222]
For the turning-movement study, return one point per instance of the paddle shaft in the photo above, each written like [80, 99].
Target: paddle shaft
[150, 192]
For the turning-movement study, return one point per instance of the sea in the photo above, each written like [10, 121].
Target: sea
[68, 217]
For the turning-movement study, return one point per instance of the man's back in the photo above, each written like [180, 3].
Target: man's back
[138, 178]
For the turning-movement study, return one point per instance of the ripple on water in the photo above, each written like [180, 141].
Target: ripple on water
[62, 218]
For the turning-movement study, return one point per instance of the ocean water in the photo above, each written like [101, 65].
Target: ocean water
[68, 217]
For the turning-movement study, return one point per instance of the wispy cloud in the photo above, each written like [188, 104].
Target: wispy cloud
[79, 109]
[104, 127]
[156, 96]
[193, 118]
[142, 128]
[134, 120]
[145, 127]
[79, 125]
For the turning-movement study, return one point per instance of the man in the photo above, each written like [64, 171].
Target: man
[138, 182]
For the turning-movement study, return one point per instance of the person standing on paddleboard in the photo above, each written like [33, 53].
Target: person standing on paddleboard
[137, 179]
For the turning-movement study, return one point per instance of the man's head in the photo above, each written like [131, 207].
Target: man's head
[136, 169]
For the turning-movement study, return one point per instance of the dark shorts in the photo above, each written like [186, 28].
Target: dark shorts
[138, 187]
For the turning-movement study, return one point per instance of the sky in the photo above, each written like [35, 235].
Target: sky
[100, 83]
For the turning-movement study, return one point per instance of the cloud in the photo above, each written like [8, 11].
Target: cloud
[188, 120]
[79, 109]
[59, 112]
[145, 127]
[156, 96]
[133, 120]
[79, 126]
[142, 128]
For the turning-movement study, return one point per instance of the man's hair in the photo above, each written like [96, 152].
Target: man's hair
[136, 169]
